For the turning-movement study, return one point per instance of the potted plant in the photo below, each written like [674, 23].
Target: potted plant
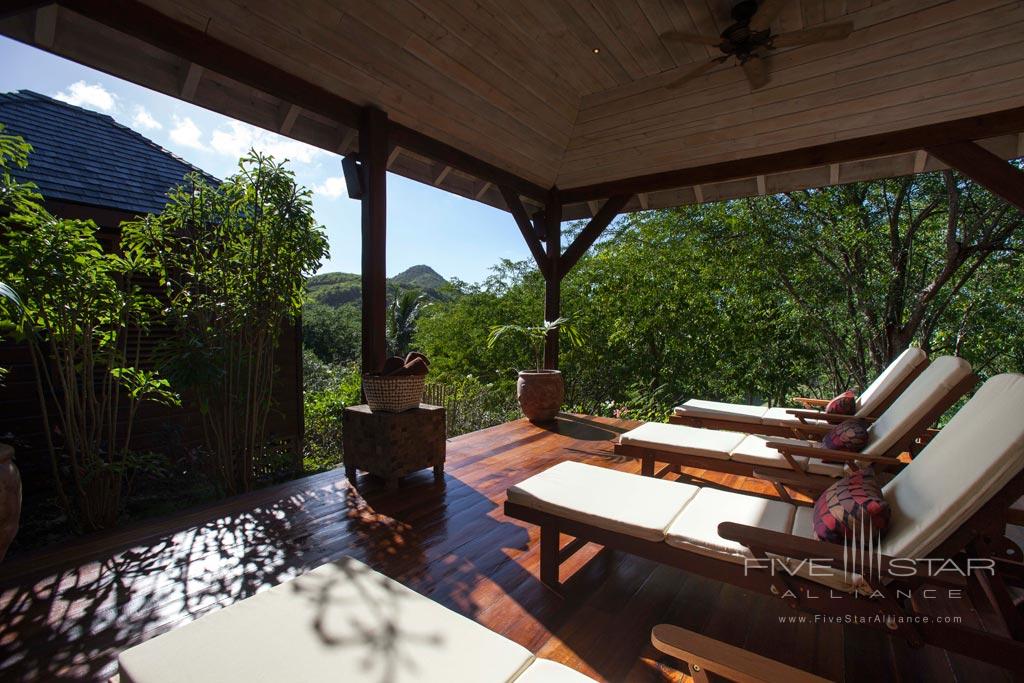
[540, 391]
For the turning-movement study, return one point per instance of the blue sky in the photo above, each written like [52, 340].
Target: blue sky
[455, 236]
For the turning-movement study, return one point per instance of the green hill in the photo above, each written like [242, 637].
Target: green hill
[340, 289]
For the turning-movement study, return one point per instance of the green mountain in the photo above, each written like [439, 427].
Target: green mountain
[340, 289]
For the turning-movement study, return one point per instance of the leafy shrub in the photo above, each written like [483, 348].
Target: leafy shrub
[329, 389]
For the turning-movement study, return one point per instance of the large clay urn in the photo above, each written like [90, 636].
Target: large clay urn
[540, 394]
[10, 498]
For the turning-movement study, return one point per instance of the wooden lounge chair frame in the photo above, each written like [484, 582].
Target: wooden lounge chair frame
[705, 655]
[799, 431]
[797, 477]
[887, 609]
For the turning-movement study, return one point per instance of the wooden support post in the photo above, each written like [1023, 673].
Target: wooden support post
[549, 537]
[602, 217]
[518, 211]
[553, 278]
[373, 153]
[985, 168]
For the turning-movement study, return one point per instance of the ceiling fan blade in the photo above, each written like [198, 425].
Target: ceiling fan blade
[687, 37]
[756, 71]
[766, 13]
[693, 73]
[819, 34]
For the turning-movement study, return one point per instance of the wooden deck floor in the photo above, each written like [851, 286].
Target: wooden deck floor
[66, 612]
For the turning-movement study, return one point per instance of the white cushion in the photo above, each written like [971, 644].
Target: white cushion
[546, 671]
[977, 453]
[709, 443]
[887, 382]
[754, 451]
[829, 469]
[737, 412]
[605, 498]
[696, 527]
[780, 417]
[340, 622]
[926, 391]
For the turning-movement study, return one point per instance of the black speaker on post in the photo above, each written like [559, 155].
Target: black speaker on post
[352, 169]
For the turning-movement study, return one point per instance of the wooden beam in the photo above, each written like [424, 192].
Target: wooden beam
[920, 159]
[762, 187]
[290, 114]
[593, 206]
[482, 191]
[604, 216]
[373, 147]
[393, 155]
[833, 174]
[525, 225]
[421, 144]
[345, 146]
[191, 82]
[882, 144]
[45, 26]
[442, 175]
[698, 194]
[194, 45]
[553, 280]
[985, 168]
[642, 198]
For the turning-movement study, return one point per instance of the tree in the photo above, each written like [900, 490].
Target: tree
[878, 266]
[403, 313]
[83, 317]
[232, 260]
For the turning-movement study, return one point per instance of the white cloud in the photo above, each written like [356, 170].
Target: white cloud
[187, 133]
[239, 138]
[144, 120]
[89, 95]
[332, 187]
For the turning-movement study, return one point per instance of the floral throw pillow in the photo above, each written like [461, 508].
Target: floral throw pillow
[843, 404]
[853, 508]
[850, 435]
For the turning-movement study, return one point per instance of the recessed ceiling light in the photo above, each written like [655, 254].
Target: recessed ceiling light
[597, 50]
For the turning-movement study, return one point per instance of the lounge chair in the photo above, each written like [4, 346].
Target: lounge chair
[949, 503]
[340, 622]
[705, 656]
[804, 463]
[780, 421]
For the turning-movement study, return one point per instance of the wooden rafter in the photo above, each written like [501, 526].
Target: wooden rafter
[985, 168]
[525, 225]
[604, 216]
[197, 47]
[882, 144]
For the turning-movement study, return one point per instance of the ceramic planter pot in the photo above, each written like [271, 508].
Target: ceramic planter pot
[10, 498]
[540, 394]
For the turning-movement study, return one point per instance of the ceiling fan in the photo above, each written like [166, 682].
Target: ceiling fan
[750, 37]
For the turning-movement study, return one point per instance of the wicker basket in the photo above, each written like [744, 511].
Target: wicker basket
[393, 394]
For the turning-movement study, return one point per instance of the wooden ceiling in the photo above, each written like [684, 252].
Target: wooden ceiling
[571, 92]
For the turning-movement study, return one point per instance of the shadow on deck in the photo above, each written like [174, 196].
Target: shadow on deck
[66, 612]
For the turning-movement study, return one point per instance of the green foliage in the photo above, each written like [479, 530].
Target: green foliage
[329, 388]
[755, 301]
[536, 336]
[232, 261]
[333, 334]
[403, 313]
[83, 316]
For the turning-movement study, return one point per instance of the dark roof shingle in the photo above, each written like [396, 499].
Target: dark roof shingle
[85, 157]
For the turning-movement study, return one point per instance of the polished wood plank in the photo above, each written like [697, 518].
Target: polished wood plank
[66, 612]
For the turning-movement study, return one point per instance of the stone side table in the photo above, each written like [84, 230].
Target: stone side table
[391, 445]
